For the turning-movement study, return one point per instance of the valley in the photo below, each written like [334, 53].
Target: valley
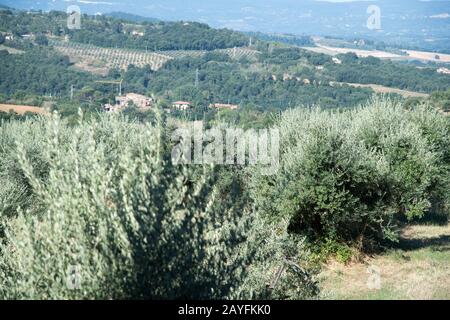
[99, 60]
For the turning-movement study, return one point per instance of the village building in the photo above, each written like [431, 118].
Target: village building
[137, 33]
[181, 105]
[110, 108]
[9, 36]
[224, 106]
[336, 60]
[443, 70]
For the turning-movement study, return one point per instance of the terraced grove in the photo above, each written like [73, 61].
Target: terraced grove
[92, 56]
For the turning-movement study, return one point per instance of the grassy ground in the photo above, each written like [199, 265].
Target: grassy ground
[419, 268]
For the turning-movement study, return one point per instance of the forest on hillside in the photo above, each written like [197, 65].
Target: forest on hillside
[106, 31]
[75, 198]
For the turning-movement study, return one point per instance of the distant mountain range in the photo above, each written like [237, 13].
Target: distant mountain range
[424, 24]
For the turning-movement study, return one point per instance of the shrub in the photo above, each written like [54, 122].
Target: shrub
[351, 175]
[109, 218]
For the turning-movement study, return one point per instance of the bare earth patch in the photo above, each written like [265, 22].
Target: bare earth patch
[418, 269]
[22, 109]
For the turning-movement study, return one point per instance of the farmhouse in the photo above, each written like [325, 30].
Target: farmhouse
[139, 100]
[224, 106]
[443, 70]
[181, 105]
[336, 60]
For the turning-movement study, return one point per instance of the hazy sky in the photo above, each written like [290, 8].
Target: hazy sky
[293, 16]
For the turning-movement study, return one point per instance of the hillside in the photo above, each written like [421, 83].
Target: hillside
[107, 31]
[364, 48]
[260, 73]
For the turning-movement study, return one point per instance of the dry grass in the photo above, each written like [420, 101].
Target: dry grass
[22, 109]
[99, 60]
[382, 89]
[418, 269]
[429, 56]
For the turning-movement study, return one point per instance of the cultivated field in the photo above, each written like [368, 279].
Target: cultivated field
[11, 50]
[21, 109]
[382, 89]
[239, 53]
[429, 56]
[411, 54]
[99, 60]
[361, 53]
[92, 58]
[234, 53]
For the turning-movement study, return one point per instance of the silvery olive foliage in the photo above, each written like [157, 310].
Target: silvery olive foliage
[96, 211]
[354, 175]
[279, 269]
